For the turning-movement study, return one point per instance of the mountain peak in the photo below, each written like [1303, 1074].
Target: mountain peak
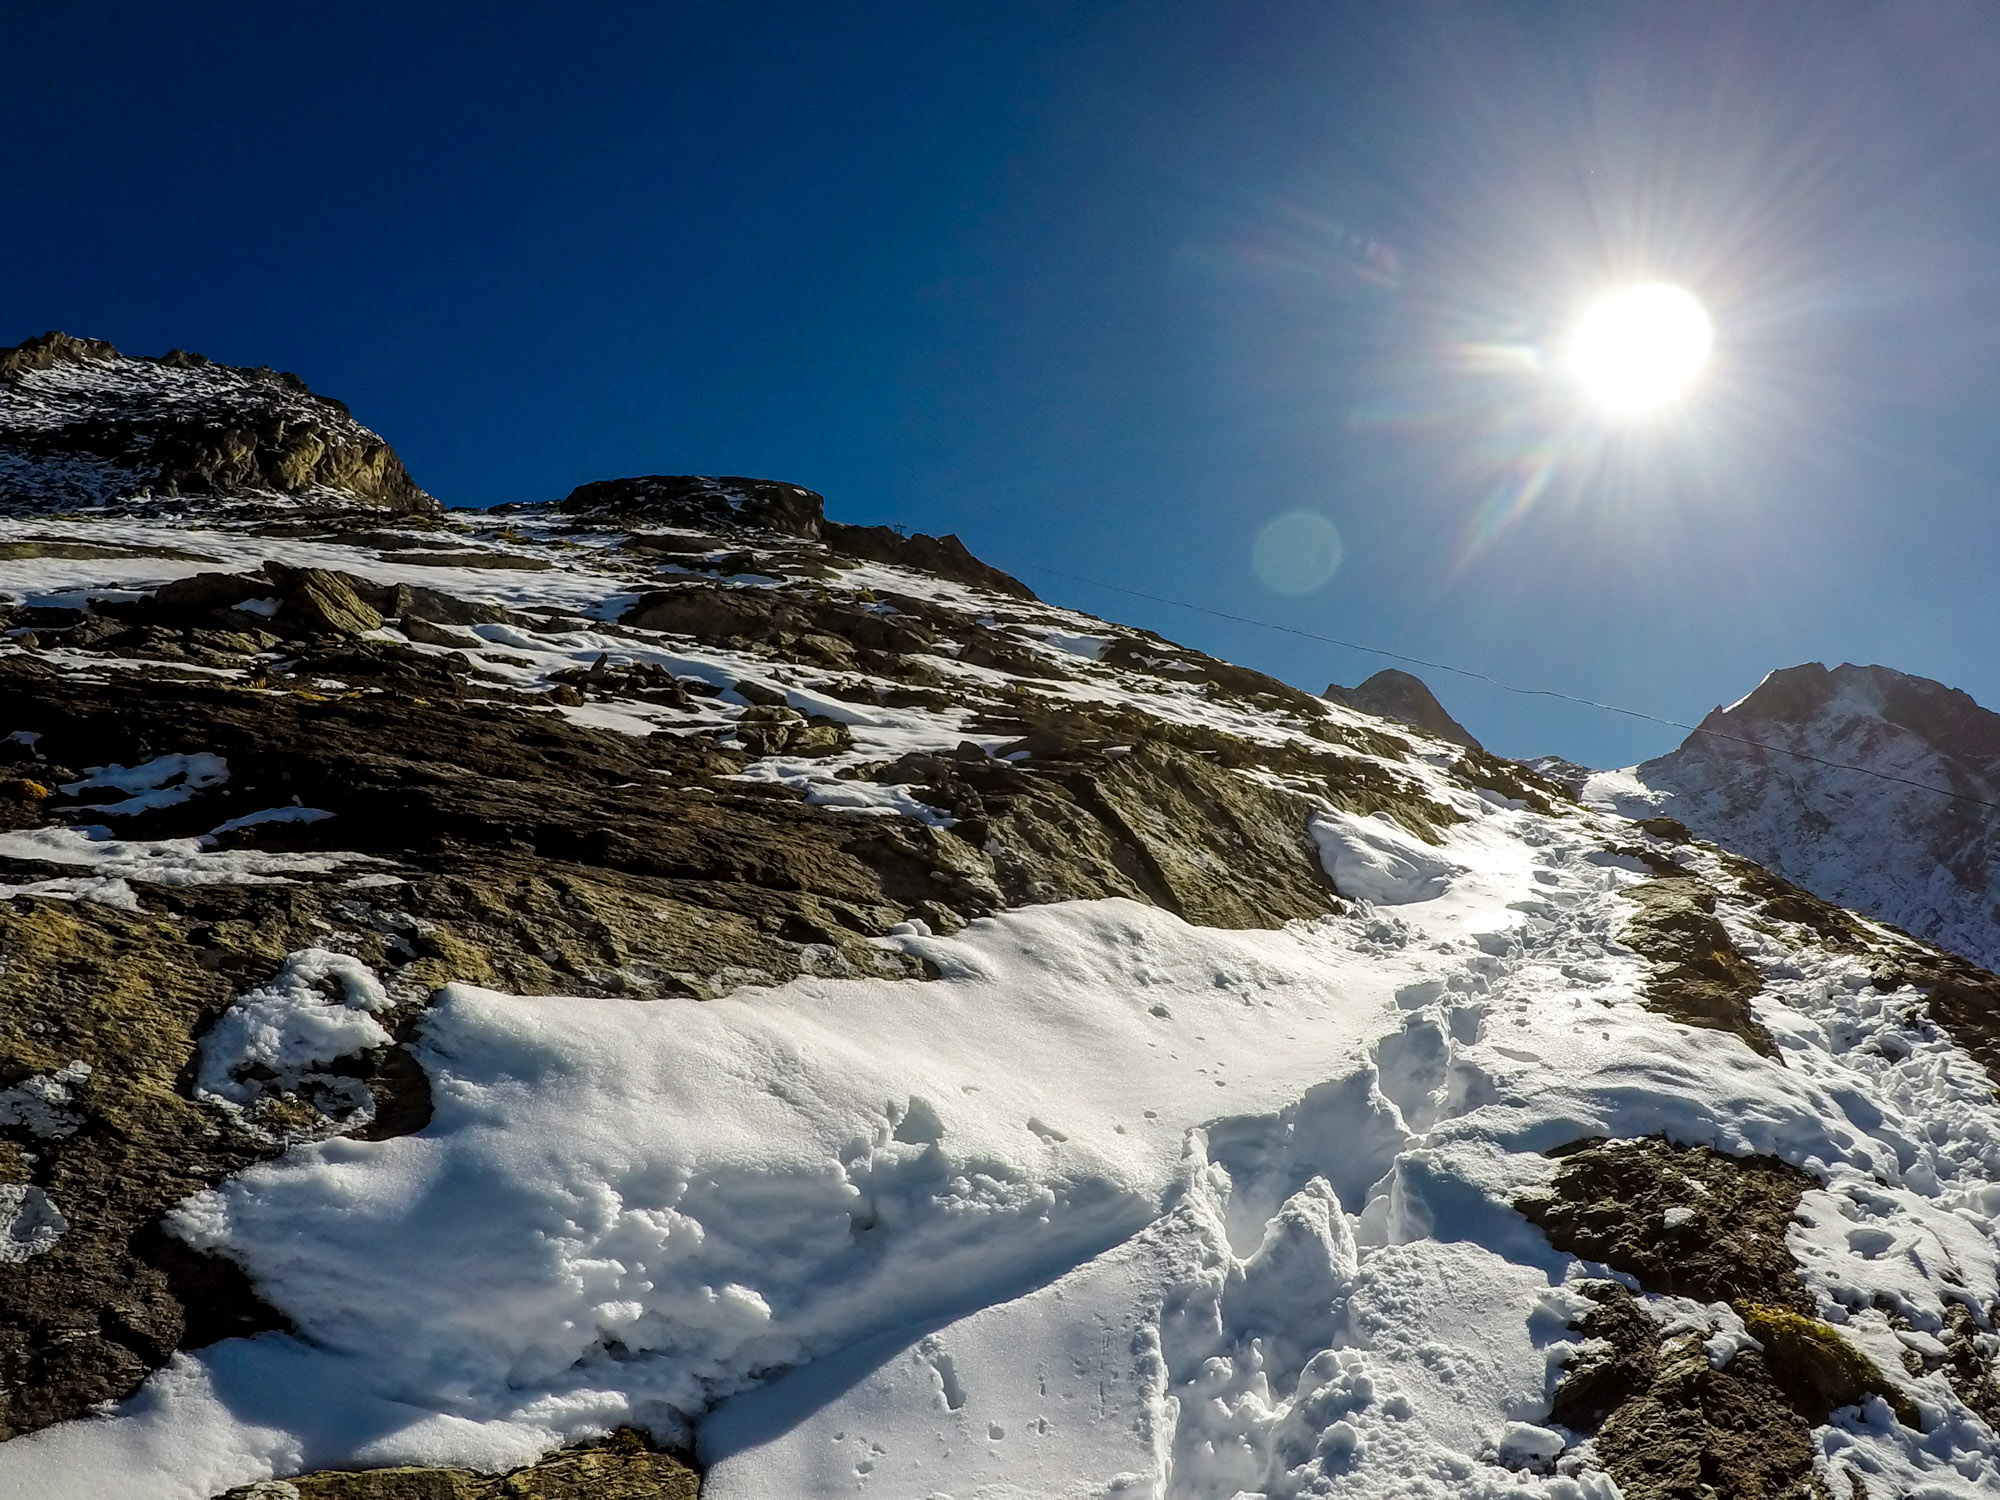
[83, 426]
[1865, 785]
[1811, 693]
[1393, 694]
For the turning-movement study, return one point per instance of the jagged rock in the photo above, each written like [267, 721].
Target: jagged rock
[207, 591]
[1700, 978]
[319, 602]
[1394, 694]
[83, 425]
[811, 629]
[1667, 1423]
[1682, 1219]
[945, 556]
[698, 501]
[113, 1297]
[1669, 1426]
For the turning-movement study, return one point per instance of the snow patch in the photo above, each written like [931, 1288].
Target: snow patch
[1370, 859]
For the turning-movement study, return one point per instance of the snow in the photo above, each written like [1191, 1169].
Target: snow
[40, 1104]
[30, 1223]
[293, 814]
[1373, 860]
[114, 863]
[165, 781]
[1836, 798]
[1115, 1206]
[319, 1008]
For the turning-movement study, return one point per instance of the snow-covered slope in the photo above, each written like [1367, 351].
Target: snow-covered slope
[1886, 843]
[663, 976]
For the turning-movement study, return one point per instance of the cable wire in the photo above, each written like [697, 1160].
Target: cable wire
[1525, 692]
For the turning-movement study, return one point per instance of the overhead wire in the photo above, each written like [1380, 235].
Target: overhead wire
[1525, 692]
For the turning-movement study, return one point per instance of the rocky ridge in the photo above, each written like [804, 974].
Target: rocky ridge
[82, 425]
[323, 831]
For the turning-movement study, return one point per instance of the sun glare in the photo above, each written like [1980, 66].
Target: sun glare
[1637, 348]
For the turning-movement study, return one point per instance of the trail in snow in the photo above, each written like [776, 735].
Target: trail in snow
[1116, 1206]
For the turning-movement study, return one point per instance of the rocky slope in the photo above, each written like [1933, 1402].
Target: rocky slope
[1765, 776]
[540, 1002]
[82, 425]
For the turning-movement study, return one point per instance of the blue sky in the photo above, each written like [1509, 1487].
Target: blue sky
[1109, 289]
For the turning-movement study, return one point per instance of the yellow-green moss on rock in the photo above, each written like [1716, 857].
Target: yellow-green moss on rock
[1817, 1367]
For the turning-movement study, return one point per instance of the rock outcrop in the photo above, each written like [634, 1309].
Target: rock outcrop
[698, 502]
[83, 426]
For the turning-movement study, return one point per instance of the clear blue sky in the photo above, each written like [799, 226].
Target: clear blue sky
[1110, 287]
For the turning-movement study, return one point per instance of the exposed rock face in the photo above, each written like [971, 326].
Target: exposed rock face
[82, 425]
[620, 1470]
[1928, 863]
[1397, 695]
[698, 502]
[1670, 1421]
[945, 556]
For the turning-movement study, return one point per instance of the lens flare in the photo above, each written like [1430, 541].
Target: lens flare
[1638, 348]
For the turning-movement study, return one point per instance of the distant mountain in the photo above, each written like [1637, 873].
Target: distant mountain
[1756, 777]
[1391, 694]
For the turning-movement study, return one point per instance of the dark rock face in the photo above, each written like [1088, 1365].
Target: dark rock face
[1668, 1423]
[1669, 1426]
[945, 556]
[700, 502]
[113, 1297]
[1764, 777]
[1699, 976]
[624, 1469]
[1612, 1201]
[83, 425]
[1396, 695]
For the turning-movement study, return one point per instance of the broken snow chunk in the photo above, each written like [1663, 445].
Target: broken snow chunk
[1526, 1446]
[1371, 859]
[30, 1222]
[270, 815]
[41, 1104]
[164, 781]
[281, 1037]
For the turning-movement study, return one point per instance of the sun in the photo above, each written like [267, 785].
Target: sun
[1638, 348]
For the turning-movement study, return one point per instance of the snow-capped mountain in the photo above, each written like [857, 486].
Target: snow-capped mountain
[1911, 837]
[663, 989]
